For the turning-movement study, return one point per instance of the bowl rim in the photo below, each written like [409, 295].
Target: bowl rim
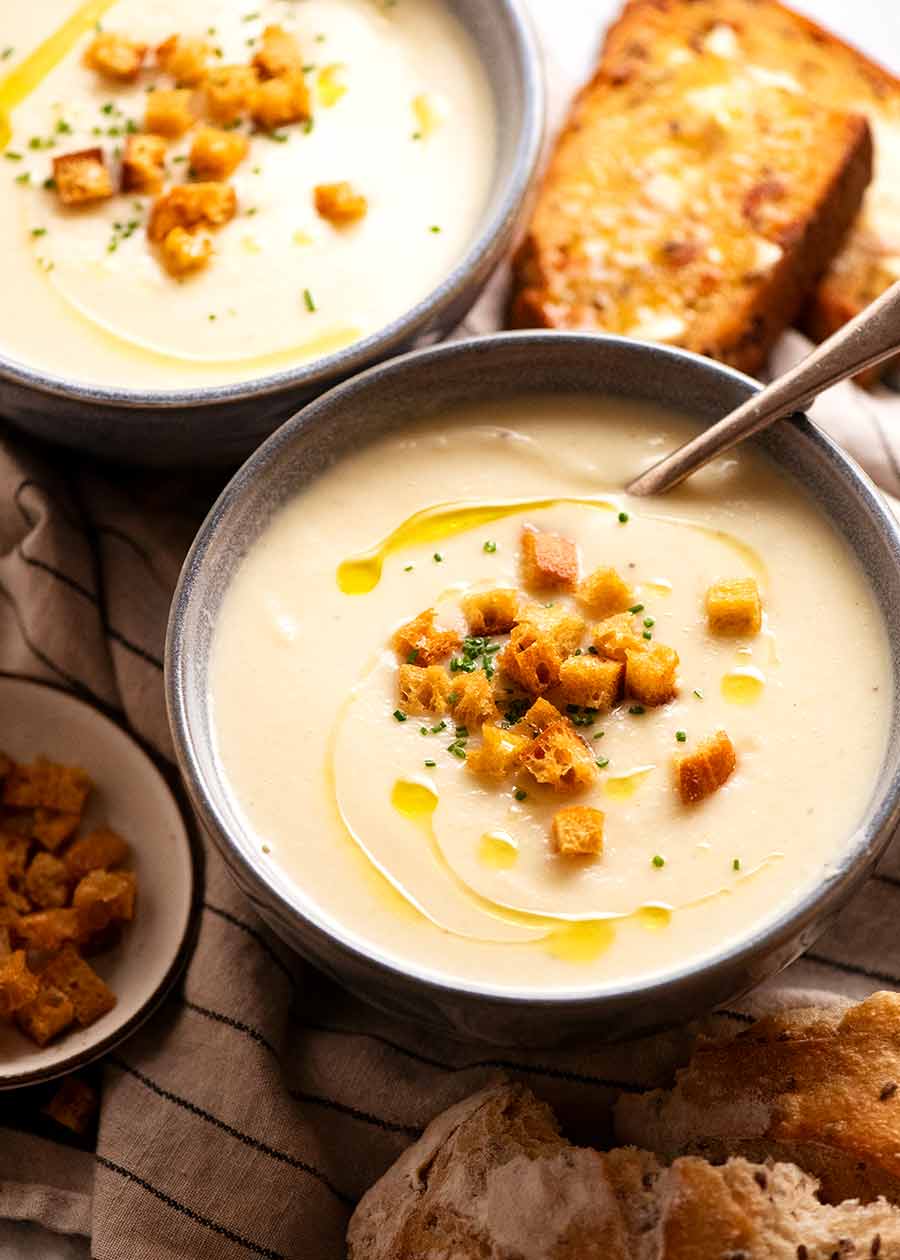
[838, 880]
[480, 257]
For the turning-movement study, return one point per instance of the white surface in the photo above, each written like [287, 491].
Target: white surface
[132, 798]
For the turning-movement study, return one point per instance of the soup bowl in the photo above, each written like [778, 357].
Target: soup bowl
[221, 424]
[428, 383]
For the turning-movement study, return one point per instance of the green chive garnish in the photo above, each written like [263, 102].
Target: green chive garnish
[308, 299]
[681, 736]
[623, 518]
[659, 861]
[490, 547]
[399, 715]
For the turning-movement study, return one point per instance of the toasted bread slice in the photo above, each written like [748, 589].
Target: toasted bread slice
[692, 199]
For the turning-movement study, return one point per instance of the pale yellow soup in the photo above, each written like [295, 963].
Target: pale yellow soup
[434, 866]
[402, 110]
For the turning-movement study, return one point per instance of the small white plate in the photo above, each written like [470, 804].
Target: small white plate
[131, 797]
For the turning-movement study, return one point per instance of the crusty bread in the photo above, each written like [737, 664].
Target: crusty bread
[491, 1179]
[821, 1089]
[694, 197]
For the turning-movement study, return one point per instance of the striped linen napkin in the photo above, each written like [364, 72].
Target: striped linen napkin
[249, 1115]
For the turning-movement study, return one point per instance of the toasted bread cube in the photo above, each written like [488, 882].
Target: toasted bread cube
[531, 659]
[339, 203]
[424, 690]
[14, 850]
[184, 252]
[97, 851]
[278, 53]
[702, 772]
[18, 986]
[734, 607]
[474, 700]
[105, 897]
[548, 560]
[229, 92]
[48, 929]
[420, 642]
[557, 622]
[81, 177]
[90, 996]
[52, 829]
[47, 882]
[278, 102]
[491, 612]
[143, 163]
[498, 754]
[184, 58]
[578, 831]
[208, 205]
[216, 153]
[170, 112]
[115, 56]
[49, 1014]
[63, 788]
[650, 674]
[559, 757]
[591, 682]
[538, 717]
[73, 1105]
[616, 635]
[604, 593]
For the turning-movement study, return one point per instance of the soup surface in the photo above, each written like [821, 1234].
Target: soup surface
[376, 813]
[400, 109]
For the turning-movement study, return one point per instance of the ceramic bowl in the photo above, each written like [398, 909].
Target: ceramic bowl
[427, 383]
[221, 425]
[132, 797]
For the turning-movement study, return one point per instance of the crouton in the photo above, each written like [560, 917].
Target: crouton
[229, 92]
[47, 882]
[531, 659]
[650, 674]
[97, 851]
[539, 716]
[277, 102]
[702, 772]
[47, 1015]
[339, 203]
[557, 622]
[209, 204]
[733, 607]
[472, 700]
[143, 163]
[63, 788]
[616, 635]
[48, 929]
[491, 612]
[115, 56]
[184, 58]
[560, 758]
[18, 986]
[578, 831]
[90, 996]
[184, 252]
[603, 593]
[548, 560]
[499, 752]
[423, 690]
[216, 153]
[80, 178]
[73, 1105]
[52, 829]
[105, 897]
[14, 850]
[278, 53]
[170, 112]
[420, 642]
[591, 682]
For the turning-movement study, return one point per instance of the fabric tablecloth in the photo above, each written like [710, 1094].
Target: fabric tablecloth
[248, 1116]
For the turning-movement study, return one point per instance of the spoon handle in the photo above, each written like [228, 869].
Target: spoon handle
[868, 339]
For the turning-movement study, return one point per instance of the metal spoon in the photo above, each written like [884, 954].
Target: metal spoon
[870, 338]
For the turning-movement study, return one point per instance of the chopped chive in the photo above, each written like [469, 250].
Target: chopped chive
[603, 762]
[659, 861]
[636, 608]
[623, 518]
[594, 651]
[637, 709]
[412, 656]
[430, 763]
[599, 734]
[250, 17]
[49, 183]
[399, 715]
[280, 137]
[441, 726]
[434, 228]
[308, 124]
[437, 557]
[417, 135]
[6, 54]
[736, 864]
[407, 568]
[423, 730]
[649, 622]
[24, 178]
[453, 698]
[38, 231]
[12, 156]
[490, 547]
[308, 299]
[698, 693]
[681, 736]
[520, 794]
[107, 108]
[648, 634]
[63, 127]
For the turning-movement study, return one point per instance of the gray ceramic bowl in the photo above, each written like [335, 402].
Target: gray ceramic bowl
[422, 384]
[222, 424]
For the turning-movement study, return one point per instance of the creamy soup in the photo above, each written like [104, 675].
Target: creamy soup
[399, 108]
[377, 813]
